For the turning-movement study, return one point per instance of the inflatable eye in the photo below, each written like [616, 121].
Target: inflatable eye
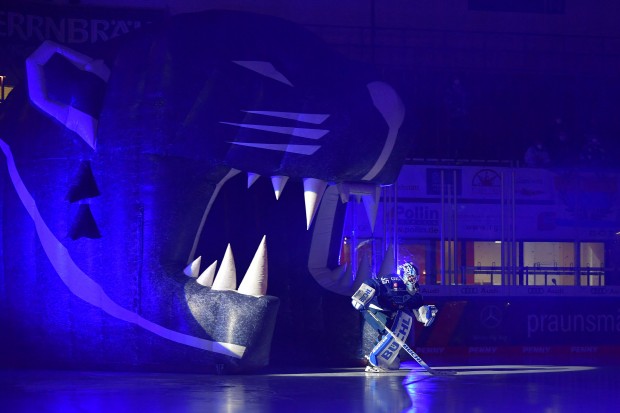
[75, 112]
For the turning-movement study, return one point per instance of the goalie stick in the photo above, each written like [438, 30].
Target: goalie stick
[411, 352]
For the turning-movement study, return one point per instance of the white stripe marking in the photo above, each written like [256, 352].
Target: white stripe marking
[285, 130]
[315, 118]
[264, 68]
[298, 149]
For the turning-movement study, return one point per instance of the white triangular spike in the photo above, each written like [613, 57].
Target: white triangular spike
[364, 269]
[313, 192]
[278, 182]
[357, 282]
[206, 278]
[358, 190]
[388, 266]
[343, 191]
[371, 204]
[252, 177]
[226, 278]
[193, 268]
[255, 279]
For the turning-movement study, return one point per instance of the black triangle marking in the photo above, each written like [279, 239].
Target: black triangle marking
[84, 224]
[84, 185]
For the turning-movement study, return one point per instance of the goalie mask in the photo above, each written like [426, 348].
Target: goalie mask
[409, 274]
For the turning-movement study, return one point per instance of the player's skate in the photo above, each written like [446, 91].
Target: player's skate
[375, 369]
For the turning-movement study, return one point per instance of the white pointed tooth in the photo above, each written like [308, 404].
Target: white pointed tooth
[357, 282]
[371, 204]
[364, 270]
[313, 192]
[252, 177]
[343, 190]
[388, 266]
[278, 182]
[255, 279]
[226, 278]
[193, 268]
[206, 278]
[357, 189]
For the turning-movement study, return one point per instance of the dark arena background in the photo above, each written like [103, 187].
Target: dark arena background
[192, 192]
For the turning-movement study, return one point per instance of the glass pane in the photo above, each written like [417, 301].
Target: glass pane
[487, 257]
[592, 256]
[549, 263]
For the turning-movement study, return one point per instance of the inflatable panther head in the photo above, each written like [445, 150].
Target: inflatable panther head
[132, 192]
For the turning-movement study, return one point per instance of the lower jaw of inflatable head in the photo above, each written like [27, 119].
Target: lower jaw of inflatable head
[243, 321]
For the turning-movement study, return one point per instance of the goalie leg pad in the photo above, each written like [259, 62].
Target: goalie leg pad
[385, 353]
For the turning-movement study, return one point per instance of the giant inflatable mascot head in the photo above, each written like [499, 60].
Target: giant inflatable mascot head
[145, 180]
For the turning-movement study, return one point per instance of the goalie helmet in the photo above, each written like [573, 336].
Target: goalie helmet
[409, 274]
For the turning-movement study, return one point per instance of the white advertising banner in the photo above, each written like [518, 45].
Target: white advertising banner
[491, 203]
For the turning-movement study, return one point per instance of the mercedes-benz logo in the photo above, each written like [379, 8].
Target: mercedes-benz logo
[491, 316]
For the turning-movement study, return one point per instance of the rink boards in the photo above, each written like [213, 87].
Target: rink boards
[531, 323]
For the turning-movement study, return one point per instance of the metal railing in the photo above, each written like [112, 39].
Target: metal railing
[531, 275]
